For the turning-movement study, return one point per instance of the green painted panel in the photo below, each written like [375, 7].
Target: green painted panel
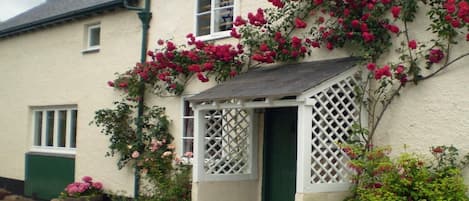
[279, 180]
[47, 175]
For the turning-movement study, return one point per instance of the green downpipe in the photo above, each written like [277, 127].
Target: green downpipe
[145, 16]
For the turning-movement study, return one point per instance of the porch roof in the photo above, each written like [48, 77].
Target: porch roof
[277, 81]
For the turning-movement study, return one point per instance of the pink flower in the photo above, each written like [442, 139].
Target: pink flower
[87, 179]
[412, 44]
[188, 154]
[97, 185]
[300, 24]
[135, 154]
[160, 42]
[467, 37]
[395, 10]
[166, 154]
[171, 146]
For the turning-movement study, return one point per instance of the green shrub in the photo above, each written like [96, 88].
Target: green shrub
[408, 177]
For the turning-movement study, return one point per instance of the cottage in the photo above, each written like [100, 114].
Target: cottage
[270, 134]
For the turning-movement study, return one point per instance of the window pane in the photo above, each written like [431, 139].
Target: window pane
[73, 129]
[203, 24]
[50, 128]
[223, 3]
[188, 146]
[187, 109]
[37, 128]
[94, 36]
[62, 128]
[203, 6]
[188, 128]
[223, 19]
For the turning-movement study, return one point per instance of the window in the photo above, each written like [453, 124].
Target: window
[214, 18]
[93, 37]
[188, 128]
[55, 129]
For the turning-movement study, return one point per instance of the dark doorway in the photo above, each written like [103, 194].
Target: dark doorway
[279, 168]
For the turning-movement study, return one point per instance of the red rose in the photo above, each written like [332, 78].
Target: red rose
[355, 23]
[367, 37]
[330, 46]
[395, 10]
[239, 21]
[371, 66]
[300, 24]
[412, 44]
[435, 56]
[234, 33]
[110, 83]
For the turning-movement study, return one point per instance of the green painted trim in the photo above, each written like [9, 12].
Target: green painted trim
[46, 175]
[59, 18]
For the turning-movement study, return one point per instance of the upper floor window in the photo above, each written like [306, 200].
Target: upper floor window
[214, 18]
[93, 37]
[55, 129]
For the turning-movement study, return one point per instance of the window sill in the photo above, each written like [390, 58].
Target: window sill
[53, 150]
[216, 36]
[90, 50]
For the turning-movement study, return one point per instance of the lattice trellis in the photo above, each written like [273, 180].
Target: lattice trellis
[226, 142]
[334, 113]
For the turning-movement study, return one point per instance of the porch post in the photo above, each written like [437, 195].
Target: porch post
[199, 134]
[303, 174]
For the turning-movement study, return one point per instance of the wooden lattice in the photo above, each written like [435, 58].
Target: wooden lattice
[334, 113]
[226, 142]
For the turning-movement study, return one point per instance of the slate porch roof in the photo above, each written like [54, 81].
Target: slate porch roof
[277, 81]
[54, 11]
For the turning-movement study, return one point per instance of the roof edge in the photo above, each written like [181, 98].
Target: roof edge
[58, 18]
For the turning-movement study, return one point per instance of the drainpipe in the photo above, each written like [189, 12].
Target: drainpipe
[144, 15]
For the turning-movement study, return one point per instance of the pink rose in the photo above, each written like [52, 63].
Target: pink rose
[135, 154]
[97, 185]
[87, 179]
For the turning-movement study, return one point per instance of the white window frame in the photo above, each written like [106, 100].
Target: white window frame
[213, 35]
[88, 46]
[55, 149]
[184, 117]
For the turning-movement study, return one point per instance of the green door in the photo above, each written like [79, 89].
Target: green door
[279, 175]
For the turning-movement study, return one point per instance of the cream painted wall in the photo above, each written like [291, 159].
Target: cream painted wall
[46, 67]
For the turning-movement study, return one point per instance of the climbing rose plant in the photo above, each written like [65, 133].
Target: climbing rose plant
[291, 30]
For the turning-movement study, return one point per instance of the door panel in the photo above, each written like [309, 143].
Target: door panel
[279, 179]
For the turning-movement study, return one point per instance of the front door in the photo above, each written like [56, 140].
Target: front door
[279, 168]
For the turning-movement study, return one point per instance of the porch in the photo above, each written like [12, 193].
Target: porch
[272, 134]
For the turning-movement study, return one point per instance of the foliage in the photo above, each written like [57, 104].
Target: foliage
[152, 153]
[409, 177]
[171, 66]
[84, 188]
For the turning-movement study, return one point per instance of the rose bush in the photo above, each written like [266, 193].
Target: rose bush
[86, 187]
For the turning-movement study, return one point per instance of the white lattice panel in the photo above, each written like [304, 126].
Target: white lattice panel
[226, 142]
[334, 112]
